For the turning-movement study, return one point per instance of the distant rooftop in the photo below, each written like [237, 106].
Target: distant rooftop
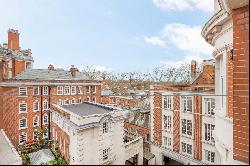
[87, 109]
[45, 74]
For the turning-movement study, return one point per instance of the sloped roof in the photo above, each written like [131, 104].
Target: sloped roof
[45, 74]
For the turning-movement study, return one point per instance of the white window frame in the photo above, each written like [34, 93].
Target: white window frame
[45, 115]
[23, 91]
[168, 100]
[45, 90]
[105, 128]
[167, 123]
[106, 154]
[80, 100]
[88, 88]
[59, 90]
[66, 90]
[186, 148]
[167, 142]
[21, 103]
[47, 105]
[73, 101]
[186, 127]
[36, 118]
[26, 122]
[47, 133]
[184, 104]
[88, 99]
[207, 102]
[22, 134]
[94, 99]
[36, 102]
[73, 90]
[66, 101]
[79, 88]
[34, 134]
[207, 157]
[94, 89]
[208, 132]
[34, 90]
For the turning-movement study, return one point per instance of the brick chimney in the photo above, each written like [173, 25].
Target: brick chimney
[13, 39]
[73, 70]
[193, 69]
[51, 67]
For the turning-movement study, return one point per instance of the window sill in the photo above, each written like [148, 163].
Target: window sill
[208, 142]
[23, 128]
[23, 112]
[187, 136]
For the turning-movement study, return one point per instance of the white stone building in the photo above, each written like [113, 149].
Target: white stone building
[94, 134]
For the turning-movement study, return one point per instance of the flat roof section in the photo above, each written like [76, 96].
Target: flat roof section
[7, 154]
[86, 109]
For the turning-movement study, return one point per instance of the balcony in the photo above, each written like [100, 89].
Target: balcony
[134, 147]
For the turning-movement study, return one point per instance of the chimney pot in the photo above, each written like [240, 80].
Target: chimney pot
[51, 67]
[73, 70]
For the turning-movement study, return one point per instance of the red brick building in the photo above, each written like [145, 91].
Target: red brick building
[182, 120]
[27, 94]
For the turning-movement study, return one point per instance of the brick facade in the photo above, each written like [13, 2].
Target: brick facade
[202, 83]
[10, 108]
[241, 84]
[62, 139]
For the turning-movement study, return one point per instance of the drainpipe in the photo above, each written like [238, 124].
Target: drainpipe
[41, 106]
[49, 113]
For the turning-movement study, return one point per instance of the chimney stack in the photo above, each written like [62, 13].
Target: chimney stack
[5, 45]
[193, 69]
[13, 39]
[51, 67]
[73, 70]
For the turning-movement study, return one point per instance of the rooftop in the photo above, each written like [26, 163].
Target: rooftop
[45, 74]
[87, 109]
[8, 155]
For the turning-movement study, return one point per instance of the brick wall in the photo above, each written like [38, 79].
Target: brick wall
[157, 118]
[197, 127]
[176, 124]
[241, 84]
[9, 104]
[229, 86]
[62, 137]
[17, 66]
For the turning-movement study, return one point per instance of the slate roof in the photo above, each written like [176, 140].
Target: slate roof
[86, 109]
[45, 74]
[22, 54]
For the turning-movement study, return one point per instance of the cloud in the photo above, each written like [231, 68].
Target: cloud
[155, 41]
[188, 40]
[203, 5]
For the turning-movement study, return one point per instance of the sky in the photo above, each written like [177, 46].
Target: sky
[112, 35]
